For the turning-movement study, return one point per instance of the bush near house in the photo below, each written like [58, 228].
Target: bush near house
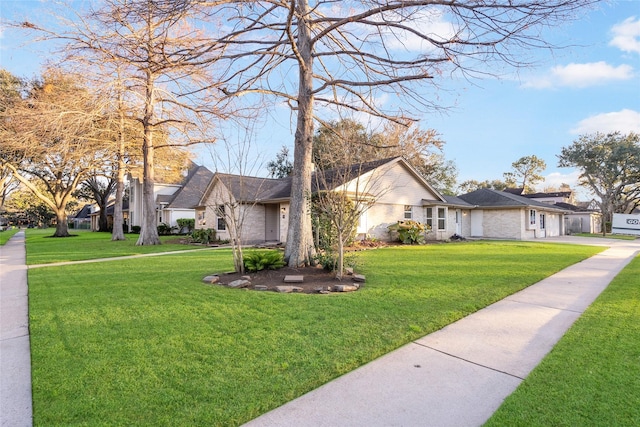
[409, 232]
[186, 225]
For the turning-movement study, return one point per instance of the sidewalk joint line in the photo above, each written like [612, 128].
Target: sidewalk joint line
[544, 306]
[469, 361]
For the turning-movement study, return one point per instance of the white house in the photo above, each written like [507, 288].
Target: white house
[392, 191]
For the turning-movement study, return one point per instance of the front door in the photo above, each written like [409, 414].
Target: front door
[543, 225]
[271, 223]
[458, 222]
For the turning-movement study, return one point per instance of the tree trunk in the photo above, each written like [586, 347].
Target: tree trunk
[149, 228]
[299, 250]
[103, 223]
[62, 228]
[118, 218]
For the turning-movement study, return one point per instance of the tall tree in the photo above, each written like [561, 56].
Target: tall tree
[281, 167]
[161, 54]
[609, 166]
[526, 173]
[352, 54]
[52, 137]
[421, 148]
[472, 185]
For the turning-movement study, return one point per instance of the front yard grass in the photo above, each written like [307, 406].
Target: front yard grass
[608, 236]
[146, 343]
[592, 376]
[84, 244]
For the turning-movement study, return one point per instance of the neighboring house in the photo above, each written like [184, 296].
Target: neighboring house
[581, 220]
[552, 197]
[504, 215]
[95, 215]
[82, 219]
[392, 189]
[173, 200]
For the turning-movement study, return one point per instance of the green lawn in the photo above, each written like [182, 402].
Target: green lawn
[146, 343]
[83, 245]
[7, 234]
[592, 376]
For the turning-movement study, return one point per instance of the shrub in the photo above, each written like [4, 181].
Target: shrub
[204, 235]
[328, 259]
[186, 225]
[260, 260]
[409, 232]
[164, 229]
[135, 229]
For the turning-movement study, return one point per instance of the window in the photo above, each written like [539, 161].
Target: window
[430, 218]
[221, 222]
[532, 217]
[542, 221]
[442, 218]
[408, 212]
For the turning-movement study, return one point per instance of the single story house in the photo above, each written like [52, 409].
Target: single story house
[173, 200]
[390, 189]
[504, 215]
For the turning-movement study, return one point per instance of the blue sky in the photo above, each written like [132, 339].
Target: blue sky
[591, 85]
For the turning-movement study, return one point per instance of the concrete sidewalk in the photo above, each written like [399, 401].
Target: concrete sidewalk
[15, 354]
[460, 375]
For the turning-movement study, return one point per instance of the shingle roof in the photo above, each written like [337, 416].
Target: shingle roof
[250, 188]
[195, 184]
[488, 198]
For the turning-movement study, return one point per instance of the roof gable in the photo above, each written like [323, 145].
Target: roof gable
[195, 184]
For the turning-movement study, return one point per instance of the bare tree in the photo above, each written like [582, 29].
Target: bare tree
[351, 54]
[237, 193]
[53, 137]
[342, 196]
[162, 56]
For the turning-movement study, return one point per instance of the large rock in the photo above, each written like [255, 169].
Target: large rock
[240, 283]
[292, 278]
[211, 279]
[288, 289]
[346, 288]
[359, 278]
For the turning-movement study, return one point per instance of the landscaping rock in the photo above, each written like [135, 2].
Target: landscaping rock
[293, 279]
[240, 283]
[346, 288]
[358, 278]
[260, 288]
[246, 277]
[348, 271]
[288, 289]
[211, 279]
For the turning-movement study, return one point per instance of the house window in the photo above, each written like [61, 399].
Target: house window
[430, 218]
[442, 218]
[221, 222]
[542, 221]
[408, 212]
[532, 217]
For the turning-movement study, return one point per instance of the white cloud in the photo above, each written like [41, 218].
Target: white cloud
[626, 35]
[623, 121]
[581, 75]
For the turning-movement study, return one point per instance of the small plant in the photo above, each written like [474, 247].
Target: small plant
[261, 260]
[409, 232]
[135, 229]
[164, 229]
[328, 259]
[204, 235]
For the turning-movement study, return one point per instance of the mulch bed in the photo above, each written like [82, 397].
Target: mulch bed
[315, 279]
